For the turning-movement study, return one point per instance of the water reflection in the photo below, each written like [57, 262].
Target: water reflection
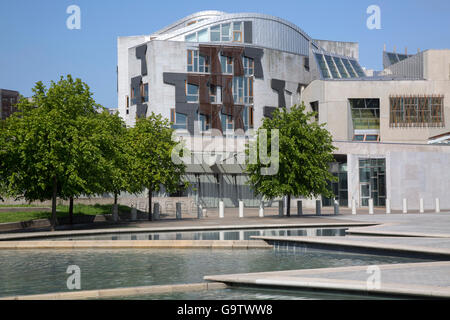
[216, 235]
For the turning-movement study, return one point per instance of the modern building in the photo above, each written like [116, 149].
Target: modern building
[217, 75]
[8, 98]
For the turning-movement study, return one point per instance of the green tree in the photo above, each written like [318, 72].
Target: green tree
[305, 152]
[54, 147]
[150, 166]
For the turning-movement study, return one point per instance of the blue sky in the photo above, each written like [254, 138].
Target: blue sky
[36, 45]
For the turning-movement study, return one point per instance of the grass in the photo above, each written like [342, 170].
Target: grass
[61, 211]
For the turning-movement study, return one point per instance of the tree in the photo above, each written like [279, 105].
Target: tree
[305, 152]
[54, 147]
[149, 148]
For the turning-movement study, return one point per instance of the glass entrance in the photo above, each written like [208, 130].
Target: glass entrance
[372, 180]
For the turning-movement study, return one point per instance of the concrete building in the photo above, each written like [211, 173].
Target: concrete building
[8, 98]
[215, 74]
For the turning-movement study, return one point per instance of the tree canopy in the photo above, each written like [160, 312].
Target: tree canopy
[305, 153]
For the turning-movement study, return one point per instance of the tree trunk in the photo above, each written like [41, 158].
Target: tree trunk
[71, 210]
[288, 205]
[150, 216]
[115, 197]
[53, 218]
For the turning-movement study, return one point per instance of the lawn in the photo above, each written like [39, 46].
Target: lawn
[61, 211]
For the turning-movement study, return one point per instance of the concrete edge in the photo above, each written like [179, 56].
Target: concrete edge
[356, 231]
[65, 233]
[339, 244]
[339, 286]
[136, 244]
[119, 292]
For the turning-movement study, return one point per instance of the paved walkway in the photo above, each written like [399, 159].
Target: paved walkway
[429, 279]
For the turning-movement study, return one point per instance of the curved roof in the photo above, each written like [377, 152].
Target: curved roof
[180, 27]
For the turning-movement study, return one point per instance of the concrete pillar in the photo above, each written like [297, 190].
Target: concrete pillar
[178, 210]
[261, 210]
[241, 209]
[199, 211]
[353, 206]
[221, 209]
[336, 207]
[318, 208]
[156, 209]
[370, 206]
[421, 208]
[299, 207]
[115, 213]
[438, 208]
[281, 208]
[388, 206]
[405, 205]
[133, 214]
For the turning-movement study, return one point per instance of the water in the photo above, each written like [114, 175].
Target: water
[213, 235]
[44, 271]
[251, 294]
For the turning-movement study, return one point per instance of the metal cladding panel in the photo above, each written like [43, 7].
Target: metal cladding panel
[274, 34]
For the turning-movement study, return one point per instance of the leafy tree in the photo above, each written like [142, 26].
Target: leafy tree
[305, 152]
[149, 148]
[54, 147]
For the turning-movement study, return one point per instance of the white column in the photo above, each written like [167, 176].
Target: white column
[370, 206]
[261, 210]
[421, 209]
[405, 205]
[353, 206]
[221, 209]
[388, 205]
[438, 209]
[241, 209]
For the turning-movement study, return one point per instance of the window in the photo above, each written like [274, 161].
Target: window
[204, 122]
[237, 36]
[191, 37]
[416, 111]
[215, 93]
[322, 66]
[315, 108]
[225, 32]
[365, 113]
[358, 137]
[203, 35]
[357, 68]
[349, 68]
[134, 95]
[144, 92]
[215, 33]
[196, 62]
[331, 66]
[227, 122]
[306, 63]
[238, 90]
[226, 64]
[340, 67]
[178, 120]
[191, 93]
[249, 66]
[250, 111]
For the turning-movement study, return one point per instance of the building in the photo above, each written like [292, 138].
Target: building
[8, 98]
[223, 73]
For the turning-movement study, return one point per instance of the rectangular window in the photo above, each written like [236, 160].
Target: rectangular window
[238, 90]
[226, 64]
[191, 93]
[204, 122]
[144, 92]
[365, 113]
[191, 37]
[237, 36]
[249, 66]
[215, 33]
[178, 120]
[226, 32]
[416, 111]
[250, 111]
[196, 62]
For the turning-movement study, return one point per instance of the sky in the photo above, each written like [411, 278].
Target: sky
[36, 45]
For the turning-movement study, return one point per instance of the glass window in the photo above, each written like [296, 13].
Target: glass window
[238, 90]
[331, 66]
[145, 93]
[203, 35]
[237, 26]
[372, 137]
[237, 36]
[365, 113]
[191, 37]
[322, 66]
[358, 137]
[349, 68]
[215, 33]
[179, 120]
[226, 32]
[416, 111]
[204, 122]
[357, 68]
[192, 93]
[340, 67]
[226, 64]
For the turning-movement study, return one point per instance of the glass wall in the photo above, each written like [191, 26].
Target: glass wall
[339, 187]
[365, 113]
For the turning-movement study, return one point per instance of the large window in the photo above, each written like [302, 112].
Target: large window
[197, 62]
[226, 64]
[222, 32]
[416, 111]
[365, 113]
[372, 181]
